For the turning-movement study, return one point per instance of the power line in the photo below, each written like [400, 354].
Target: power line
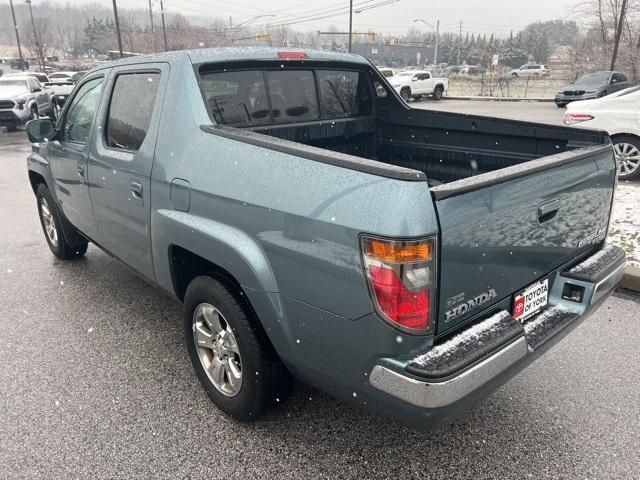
[335, 13]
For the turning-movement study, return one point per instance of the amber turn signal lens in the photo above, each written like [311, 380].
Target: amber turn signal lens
[394, 251]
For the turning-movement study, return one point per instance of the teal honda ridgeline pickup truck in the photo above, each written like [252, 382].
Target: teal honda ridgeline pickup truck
[315, 226]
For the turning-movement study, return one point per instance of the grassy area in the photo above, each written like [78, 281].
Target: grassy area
[505, 87]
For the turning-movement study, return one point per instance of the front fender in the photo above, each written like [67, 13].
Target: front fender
[38, 166]
[221, 244]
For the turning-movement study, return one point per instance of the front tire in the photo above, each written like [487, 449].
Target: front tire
[627, 150]
[34, 113]
[561, 105]
[231, 354]
[51, 222]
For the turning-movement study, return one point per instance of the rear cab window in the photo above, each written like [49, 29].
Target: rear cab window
[268, 96]
[130, 109]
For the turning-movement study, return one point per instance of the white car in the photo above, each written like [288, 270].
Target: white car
[418, 83]
[531, 70]
[619, 115]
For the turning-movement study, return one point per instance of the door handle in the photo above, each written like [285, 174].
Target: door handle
[136, 189]
[80, 170]
[548, 211]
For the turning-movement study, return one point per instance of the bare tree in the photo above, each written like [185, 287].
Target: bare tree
[38, 42]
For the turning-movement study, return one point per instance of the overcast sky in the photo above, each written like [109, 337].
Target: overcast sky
[483, 16]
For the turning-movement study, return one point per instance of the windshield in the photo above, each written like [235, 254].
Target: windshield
[59, 76]
[13, 87]
[77, 76]
[597, 78]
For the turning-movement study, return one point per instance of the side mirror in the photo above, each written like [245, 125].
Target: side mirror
[40, 130]
[414, 79]
[36, 89]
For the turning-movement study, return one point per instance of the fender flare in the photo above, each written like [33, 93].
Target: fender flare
[223, 245]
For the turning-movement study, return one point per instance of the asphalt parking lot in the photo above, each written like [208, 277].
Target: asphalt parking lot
[95, 383]
[545, 112]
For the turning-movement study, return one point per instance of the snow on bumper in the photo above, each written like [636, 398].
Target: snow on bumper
[405, 382]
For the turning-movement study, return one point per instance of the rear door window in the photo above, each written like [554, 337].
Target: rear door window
[130, 110]
[293, 96]
[236, 98]
[343, 93]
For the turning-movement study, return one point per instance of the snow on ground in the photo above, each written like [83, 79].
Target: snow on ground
[625, 227]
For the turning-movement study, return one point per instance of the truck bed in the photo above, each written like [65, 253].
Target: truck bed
[446, 147]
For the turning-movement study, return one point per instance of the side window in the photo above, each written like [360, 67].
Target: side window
[427, 76]
[81, 112]
[344, 94]
[293, 96]
[618, 78]
[130, 109]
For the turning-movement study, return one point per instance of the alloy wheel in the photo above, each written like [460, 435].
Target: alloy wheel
[628, 156]
[49, 222]
[217, 349]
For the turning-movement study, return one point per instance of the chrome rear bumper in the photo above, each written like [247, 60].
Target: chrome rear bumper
[391, 377]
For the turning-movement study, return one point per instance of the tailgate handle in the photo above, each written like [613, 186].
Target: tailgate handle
[548, 210]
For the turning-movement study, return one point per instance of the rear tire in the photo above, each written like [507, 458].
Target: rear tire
[230, 352]
[561, 105]
[52, 226]
[627, 150]
[437, 93]
[405, 94]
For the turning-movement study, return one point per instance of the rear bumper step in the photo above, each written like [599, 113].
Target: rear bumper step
[466, 362]
[598, 266]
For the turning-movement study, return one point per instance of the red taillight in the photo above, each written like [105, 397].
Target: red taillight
[401, 280]
[292, 55]
[570, 118]
[397, 302]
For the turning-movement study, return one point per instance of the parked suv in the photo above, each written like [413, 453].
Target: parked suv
[17, 63]
[531, 70]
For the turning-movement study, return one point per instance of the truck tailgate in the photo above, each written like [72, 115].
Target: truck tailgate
[504, 230]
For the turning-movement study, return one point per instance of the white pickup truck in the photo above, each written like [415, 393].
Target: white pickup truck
[418, 83]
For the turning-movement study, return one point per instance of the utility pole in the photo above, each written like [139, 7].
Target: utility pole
[115, 15]
[36, 39]
[15, 26]
[459, 41]
[164, 28]
[614, 57]
[435, 53]
[350, 22]
[153, 37]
